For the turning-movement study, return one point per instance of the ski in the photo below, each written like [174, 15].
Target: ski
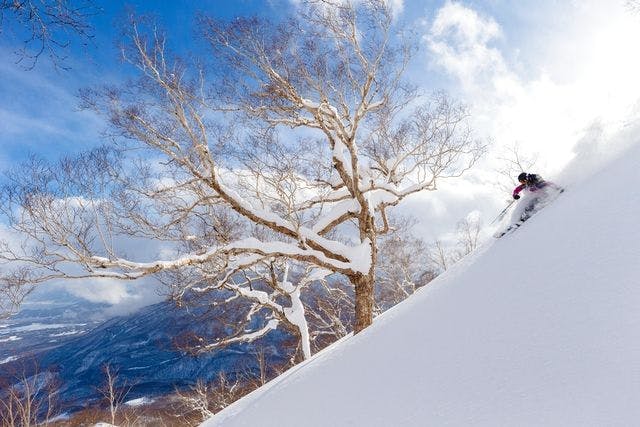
[515, 226]
[509, 229]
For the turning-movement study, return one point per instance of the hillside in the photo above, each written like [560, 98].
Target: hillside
[47, 320]
[541, 327]
[140, 346]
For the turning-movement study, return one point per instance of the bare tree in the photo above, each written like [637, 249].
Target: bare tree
[329, 307]
[113, 391]
[307, 131]
[404, 265]
[206, 399]
[197, 400]
[466, 238]
[439, 255]
[13, 290]
[468, 235]
[46, 26]
[263, 376]
[29, 400]
[251, 379]
[514, 161]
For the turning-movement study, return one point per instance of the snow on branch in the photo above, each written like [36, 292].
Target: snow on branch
[248, 337]
[353, 256]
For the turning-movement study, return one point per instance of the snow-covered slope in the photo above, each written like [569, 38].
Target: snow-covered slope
[541, 327]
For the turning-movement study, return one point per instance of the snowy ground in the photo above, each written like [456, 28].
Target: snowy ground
[541, 327]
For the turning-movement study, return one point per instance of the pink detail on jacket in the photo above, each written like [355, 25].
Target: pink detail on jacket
[518, 189]
[531, 187]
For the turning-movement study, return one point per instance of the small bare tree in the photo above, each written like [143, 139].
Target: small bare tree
[207, 399]
[197, 399]
[308, 131]
[113, 390]
[514, 161]
[13, 290]
[466, 239]
[262, 367]
[404, 265]
[29, 400]
[330, 311]
[439, 255]
[468, 234]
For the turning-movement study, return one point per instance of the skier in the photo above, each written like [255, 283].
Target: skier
[537, 193]
[539, 189]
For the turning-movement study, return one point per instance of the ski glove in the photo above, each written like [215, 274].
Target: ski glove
[516, 196]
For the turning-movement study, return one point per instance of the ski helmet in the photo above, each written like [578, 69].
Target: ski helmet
[522, 177]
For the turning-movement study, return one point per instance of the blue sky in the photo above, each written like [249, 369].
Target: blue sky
[553, 76]
[535, 40]
[39, 109]
[538, 73]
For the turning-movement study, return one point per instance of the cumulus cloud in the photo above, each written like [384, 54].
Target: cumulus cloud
[561, 83]
[100, 291]
[460, 40]
[586, 74]
[122, 297]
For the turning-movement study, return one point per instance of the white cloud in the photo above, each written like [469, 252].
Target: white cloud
[123, 297]
[587, 72]
[471, 197]
[100, 291]
[459, 37]
[559, 82]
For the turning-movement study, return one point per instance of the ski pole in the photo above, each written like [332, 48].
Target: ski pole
[504, 211]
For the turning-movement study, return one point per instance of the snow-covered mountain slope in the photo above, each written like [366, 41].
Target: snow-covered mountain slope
[142, 348]
[541, 327]
[47, 320]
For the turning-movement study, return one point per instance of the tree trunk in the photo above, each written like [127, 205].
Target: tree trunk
[364, 301]
[364, 282]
